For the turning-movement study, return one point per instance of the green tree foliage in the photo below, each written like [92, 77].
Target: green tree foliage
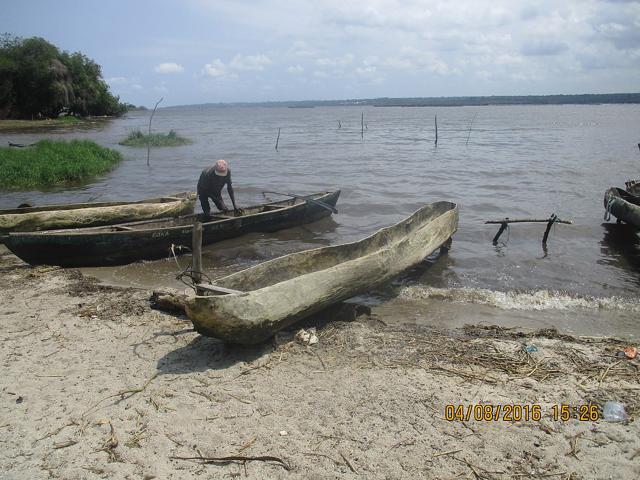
[37, 79]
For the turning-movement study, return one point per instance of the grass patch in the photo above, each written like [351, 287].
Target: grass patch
[48, 163]
[66, 121]
[139, 139]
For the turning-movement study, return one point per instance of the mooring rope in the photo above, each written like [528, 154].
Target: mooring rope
[607, 208]
[188, 270]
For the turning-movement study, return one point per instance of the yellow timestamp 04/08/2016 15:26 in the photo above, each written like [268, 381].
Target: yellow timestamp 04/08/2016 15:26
[521, 412]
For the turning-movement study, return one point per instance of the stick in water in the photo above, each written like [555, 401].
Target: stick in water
[471, 125]
[277, 139]
[436, 125]
[149, 135]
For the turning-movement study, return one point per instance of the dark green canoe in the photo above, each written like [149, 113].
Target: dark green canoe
[153, 239]
[623, 205]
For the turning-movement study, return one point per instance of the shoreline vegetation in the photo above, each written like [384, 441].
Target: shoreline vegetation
[48, 163]
[139, 139]
[69, 121]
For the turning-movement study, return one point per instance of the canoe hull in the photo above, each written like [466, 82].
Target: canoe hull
[334, 274]
[93, 214]
[623, 205]
[101, 247]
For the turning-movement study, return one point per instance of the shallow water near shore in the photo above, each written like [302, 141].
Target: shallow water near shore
[519, 162]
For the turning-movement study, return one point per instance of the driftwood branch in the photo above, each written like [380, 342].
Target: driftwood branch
[549, 221]
[168, 301]
[526, 220]
[236, 459]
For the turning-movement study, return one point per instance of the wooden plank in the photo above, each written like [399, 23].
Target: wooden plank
[215, 288]
[196, 248]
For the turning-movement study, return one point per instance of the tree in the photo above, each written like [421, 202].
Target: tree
[36, 79]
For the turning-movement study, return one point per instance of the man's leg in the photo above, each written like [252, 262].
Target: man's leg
[206, 208]
[220, 205]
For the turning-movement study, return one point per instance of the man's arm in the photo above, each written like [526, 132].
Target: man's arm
[230, 191]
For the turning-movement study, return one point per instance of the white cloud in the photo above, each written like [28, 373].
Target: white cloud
[215, 69]
[295, 69]
[341, 61]
[365, 71]
[169, 67]
[249, 62]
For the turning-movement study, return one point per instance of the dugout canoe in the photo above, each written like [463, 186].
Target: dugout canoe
[623, 205]
[78, 215]
[248, 307]
[148, 240]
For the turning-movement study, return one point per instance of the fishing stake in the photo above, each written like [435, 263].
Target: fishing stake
[504, 224]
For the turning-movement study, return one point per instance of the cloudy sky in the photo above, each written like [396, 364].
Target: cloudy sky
[197, 51]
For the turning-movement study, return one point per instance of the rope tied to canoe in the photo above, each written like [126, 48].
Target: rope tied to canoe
[188, 271]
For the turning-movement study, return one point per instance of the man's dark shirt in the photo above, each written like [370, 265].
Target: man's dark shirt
[210, 186]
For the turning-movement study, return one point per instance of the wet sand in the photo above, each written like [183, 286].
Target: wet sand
[96, 384]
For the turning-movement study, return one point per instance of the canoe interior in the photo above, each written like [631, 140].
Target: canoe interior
[624, 195]
[301, 263]
[185, 220]
[76, 206]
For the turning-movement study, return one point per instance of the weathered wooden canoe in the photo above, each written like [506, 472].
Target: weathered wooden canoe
[251, 305]
[152, 239]
[623, 205]
[77, 215]
[633, 187]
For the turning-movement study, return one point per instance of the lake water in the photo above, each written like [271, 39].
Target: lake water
[515, 161]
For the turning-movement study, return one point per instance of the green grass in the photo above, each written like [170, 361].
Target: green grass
[139, 139]
[49, 163]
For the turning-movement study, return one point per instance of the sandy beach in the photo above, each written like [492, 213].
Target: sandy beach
[97, 384]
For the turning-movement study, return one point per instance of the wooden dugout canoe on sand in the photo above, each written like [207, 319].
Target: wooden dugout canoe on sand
[153, 239]
[76, 215]
[275, 294]
[623, 205]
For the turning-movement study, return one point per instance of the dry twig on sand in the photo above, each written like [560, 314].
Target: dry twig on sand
[236, 459]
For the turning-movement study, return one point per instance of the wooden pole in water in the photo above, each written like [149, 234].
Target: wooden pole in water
[436, 123]
[196, 250]
[149, 134]
[277, 139]
[471, 125]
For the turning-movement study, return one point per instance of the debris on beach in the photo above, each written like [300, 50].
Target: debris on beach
[307, 337]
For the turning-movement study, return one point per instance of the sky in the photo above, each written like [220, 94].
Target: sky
[201, 51]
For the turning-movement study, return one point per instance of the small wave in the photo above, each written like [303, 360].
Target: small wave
[514, 300]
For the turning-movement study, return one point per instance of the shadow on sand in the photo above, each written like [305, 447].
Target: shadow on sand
[206, 353]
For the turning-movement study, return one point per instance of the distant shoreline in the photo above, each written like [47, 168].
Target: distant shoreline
[482, 101]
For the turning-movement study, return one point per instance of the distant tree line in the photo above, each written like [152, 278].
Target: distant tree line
[39, 80]
[577, 99]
